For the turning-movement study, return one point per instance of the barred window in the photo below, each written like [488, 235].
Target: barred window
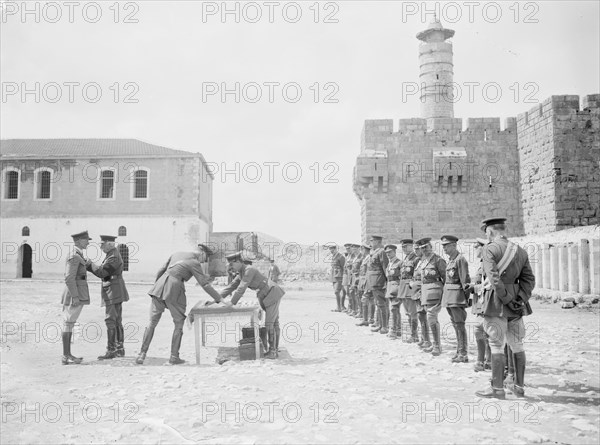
[122, 231]
[141, 184]
[124, 251]
[12, 185]
[25, 231]
[107, 178]
[44, 178]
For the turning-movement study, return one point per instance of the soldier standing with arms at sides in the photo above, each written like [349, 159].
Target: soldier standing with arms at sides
[337, 273]
[114, 293]
[268, 293]
[274, 272]
[354, 278]
[415, 285]
[168, 292]
[376, 282]
[454, 298]
[505, 303]
[346, 276]
[405, 293]
[366, 298]
[393, 282]
[484, 353]
[76, 293]
[433, 276]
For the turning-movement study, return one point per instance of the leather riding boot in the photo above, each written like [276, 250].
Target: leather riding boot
[372, 311]
[272, 353]
[480, 350]
[496, 390]
[120, 341]
[394, 321]
[111, 350]
[424, 330]
[518, 388]
[435, 332]
[414, 331]
[148, 334]
[67, 357]
[455, 356]
[365, 315]
[277, 337]
[176, 342]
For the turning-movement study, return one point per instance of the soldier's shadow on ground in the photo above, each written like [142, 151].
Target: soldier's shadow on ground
[224, 356]
[571, 393]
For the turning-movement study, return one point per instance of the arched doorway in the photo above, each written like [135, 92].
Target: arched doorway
[26, 263]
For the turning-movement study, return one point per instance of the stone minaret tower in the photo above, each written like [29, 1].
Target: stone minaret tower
[436, 77]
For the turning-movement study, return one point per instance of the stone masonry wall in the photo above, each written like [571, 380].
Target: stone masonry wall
[559, 155]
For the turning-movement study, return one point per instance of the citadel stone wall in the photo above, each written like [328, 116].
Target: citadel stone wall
[559, 153]
[416, 182]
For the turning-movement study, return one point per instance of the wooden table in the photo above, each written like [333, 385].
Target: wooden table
[199, 313]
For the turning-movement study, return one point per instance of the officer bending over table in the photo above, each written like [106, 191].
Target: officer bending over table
[268, 293]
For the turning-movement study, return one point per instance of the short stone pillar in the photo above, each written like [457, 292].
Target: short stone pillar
[584, 266]
[554, 268]
[563, 261]
[546, 266]
[537, 257]
[573, 268]
[595, 266]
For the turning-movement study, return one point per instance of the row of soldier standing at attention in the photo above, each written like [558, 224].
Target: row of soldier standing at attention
[377, 283]
[167, 292]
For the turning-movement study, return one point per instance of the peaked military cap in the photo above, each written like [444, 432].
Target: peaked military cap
[422, 242]
[248, 262]
[390, 247]
[81, 235]
[491, 221]
[377, 237]
[354, 245]
[348, 245]
[206, 249]
[237, 256]
[366, 246]
[448, 239]
[406, 241]
[107, 238]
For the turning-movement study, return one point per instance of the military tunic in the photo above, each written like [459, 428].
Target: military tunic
[457, 279]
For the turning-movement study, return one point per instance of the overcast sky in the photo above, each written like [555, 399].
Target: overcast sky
[352, 65]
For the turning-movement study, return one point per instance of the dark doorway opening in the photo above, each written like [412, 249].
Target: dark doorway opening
[26, 264]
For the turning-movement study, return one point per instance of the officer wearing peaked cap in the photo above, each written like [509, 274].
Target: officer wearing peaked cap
[415, 285]
[114, 293]
[393, 281]
[337, 273]
[405, 293]
[484, 353]
[433, 276]
[168, 292]
[354, 279]
[377, 282]
[269, 296]
[365, 297]
[505, 302]
[454, 298]
[75, 294]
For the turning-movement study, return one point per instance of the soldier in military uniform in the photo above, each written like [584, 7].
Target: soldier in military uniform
[337, 273]
[346, 276]
[376, 282]
[114, 293]
[505, 302]
[392, 273]
[168, 292]
[366, 297]
[405, 293]
[274, 272]
[268, 293]
[433, 276]
[354, 279]
[483, 347]
[454, 298]
[76, 293]
[415, 285]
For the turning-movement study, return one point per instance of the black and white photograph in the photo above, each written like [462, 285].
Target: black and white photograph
[300, 222]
